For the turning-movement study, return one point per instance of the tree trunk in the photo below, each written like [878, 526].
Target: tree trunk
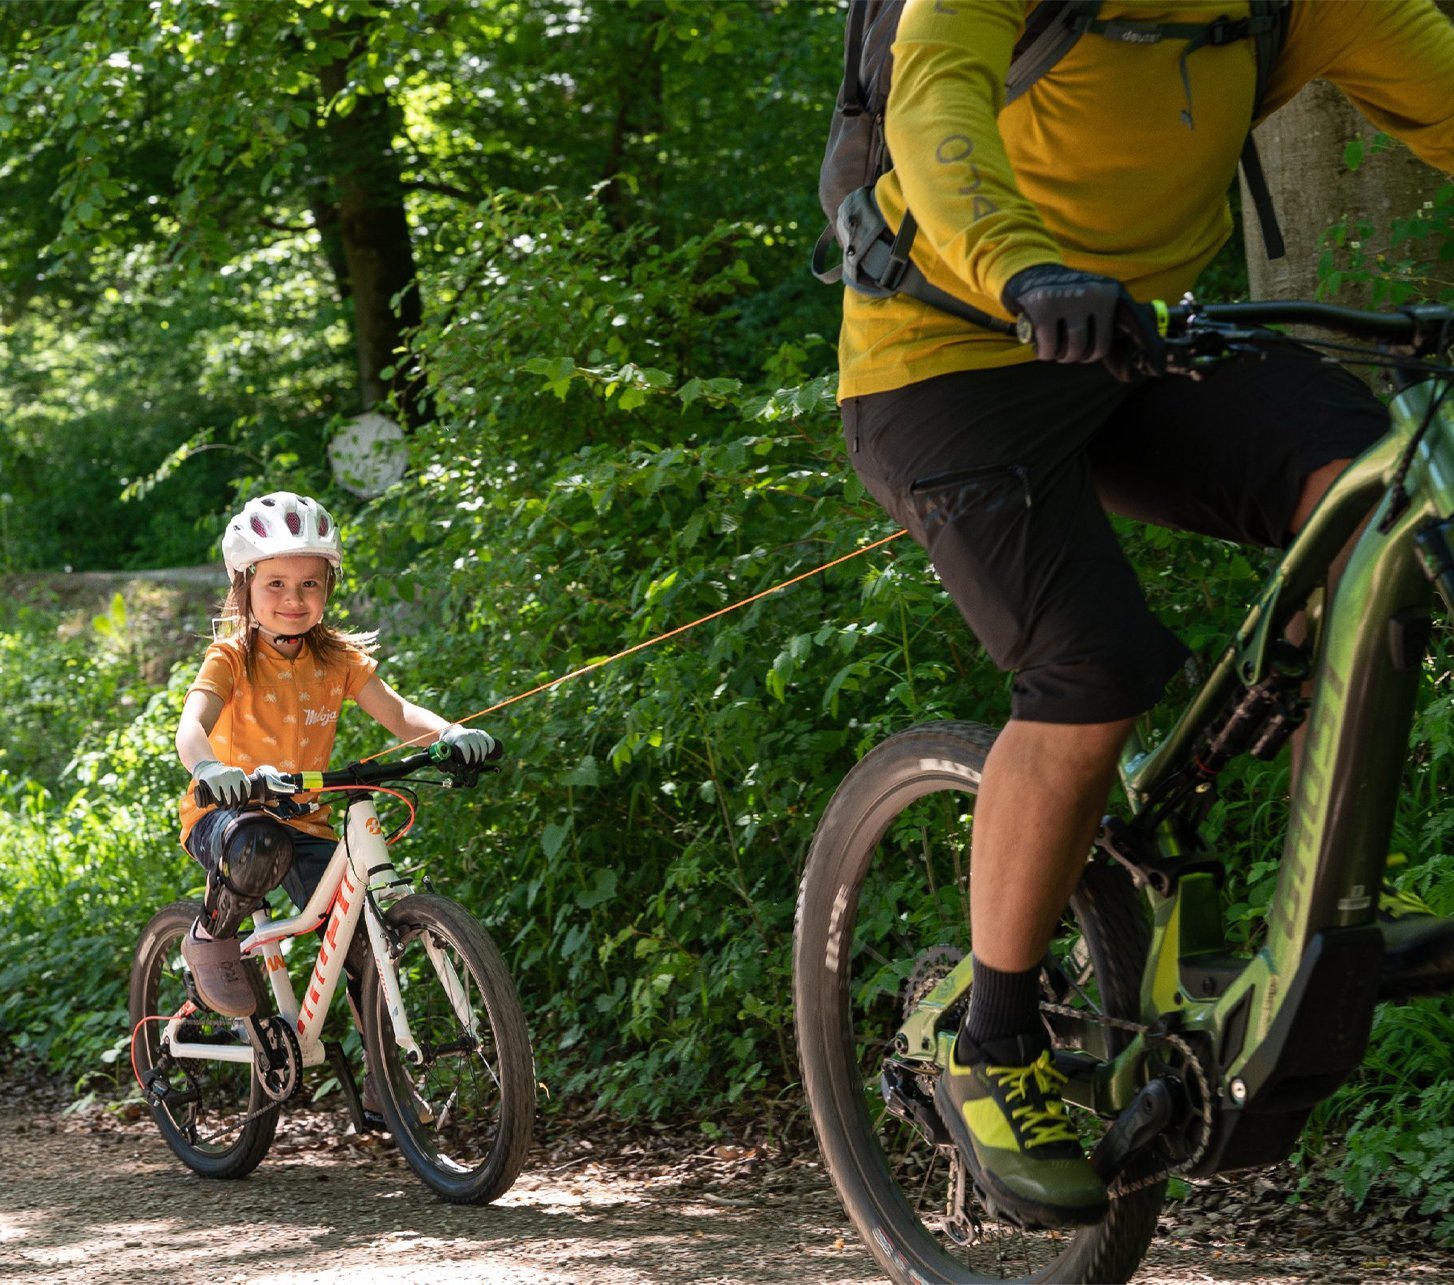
[378, 254]
[640, 114]
[1302, 148]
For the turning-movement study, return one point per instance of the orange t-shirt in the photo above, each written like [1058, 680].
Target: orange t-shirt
[284, 715]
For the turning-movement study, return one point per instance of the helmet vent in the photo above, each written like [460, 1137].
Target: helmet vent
[295, 523]
[259, 526]
[323, 524]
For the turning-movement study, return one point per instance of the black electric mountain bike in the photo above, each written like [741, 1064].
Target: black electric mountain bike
[1183, 1056]
[446, 1046]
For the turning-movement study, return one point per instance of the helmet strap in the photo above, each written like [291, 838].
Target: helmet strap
[287, 640]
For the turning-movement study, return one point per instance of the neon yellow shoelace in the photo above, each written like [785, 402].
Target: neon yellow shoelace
[1043, 1123]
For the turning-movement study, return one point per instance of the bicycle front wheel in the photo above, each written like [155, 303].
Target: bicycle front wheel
[883, 915]
[209, 1110]
[463, 1111]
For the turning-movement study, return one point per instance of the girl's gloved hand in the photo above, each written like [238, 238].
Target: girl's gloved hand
[472, 745]
[229, 785]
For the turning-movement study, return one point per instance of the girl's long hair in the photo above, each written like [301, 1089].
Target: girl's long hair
[325, 642]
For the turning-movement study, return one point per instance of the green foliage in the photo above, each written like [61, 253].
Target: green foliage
[1399, 1147]
[60, 679]
[1417, 258]
[86, 865]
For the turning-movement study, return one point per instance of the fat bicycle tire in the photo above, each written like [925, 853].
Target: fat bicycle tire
[904, 810]
[464, 1117]
[209, 1095]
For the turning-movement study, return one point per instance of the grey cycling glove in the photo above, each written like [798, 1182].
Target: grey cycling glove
[1073, 313]
[1081, 316]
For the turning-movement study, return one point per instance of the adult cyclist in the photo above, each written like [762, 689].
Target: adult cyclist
[1105, 183]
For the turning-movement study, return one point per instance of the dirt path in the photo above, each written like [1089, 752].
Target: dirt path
[85, 1201]
[86, 1198]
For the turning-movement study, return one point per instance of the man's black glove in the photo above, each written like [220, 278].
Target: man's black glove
[1079, 316]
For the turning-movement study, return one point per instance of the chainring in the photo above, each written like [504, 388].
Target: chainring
[279, 1069]
[1187, 1142]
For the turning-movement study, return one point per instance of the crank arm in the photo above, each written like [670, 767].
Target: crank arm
[1150, 1114]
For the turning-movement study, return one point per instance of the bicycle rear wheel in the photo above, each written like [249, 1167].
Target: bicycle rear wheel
[204, 1114]
[883, 914]
[463, 1114]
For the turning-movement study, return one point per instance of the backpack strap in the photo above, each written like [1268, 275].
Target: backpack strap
[1051, 28]
[853, 103]
[1269, 36]
[1266, 26]
[876, 261]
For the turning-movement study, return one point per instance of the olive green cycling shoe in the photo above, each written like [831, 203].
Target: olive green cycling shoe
[1006, 1115]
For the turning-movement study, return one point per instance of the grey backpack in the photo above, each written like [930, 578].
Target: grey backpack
[877, 262]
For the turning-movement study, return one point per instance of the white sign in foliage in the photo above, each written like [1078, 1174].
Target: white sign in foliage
[369, 455]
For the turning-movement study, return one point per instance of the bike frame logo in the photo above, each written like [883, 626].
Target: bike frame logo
[342, 904]
[1300, 862]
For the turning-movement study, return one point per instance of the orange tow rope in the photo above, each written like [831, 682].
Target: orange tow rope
[660, 638]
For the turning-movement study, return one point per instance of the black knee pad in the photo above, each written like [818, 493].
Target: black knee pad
[251, 854]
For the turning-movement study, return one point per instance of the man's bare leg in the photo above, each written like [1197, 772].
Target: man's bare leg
[1040, 803]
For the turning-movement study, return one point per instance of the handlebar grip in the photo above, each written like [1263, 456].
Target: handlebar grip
[257, 789]
[443, 754]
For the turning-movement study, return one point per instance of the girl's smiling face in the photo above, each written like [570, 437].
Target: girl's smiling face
[288, 595]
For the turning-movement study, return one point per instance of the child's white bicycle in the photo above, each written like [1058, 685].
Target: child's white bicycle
[446, 1046]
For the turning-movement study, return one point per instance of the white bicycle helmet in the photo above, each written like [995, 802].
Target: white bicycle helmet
[279, 525]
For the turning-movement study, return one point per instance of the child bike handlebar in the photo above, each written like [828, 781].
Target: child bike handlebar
[267, 785]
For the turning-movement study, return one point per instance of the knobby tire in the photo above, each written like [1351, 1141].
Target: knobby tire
[220, 1092]
[476, 1086]
[884, 896]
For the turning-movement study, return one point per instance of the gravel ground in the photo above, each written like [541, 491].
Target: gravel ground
[90, 1196]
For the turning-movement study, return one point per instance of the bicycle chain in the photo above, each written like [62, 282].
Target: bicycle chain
[241, 1124]
[1122, 1188]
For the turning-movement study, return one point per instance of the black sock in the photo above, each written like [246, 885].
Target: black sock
[1002, 1006]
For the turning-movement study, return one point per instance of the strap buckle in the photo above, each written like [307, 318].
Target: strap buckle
[1227, 31]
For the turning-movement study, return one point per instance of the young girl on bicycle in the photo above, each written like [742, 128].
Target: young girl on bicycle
[270, 694]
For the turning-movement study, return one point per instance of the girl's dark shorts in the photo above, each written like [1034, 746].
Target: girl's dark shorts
[1005, 476]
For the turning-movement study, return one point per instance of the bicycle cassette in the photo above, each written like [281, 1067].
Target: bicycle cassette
[930, 968]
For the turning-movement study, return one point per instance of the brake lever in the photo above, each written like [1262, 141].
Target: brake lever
[1211, 344]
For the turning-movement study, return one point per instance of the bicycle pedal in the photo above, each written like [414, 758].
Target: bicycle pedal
[993, 1209]
[364, 1120]
[189, 985]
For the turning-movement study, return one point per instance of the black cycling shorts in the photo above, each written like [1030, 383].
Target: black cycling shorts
[1005, 476]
